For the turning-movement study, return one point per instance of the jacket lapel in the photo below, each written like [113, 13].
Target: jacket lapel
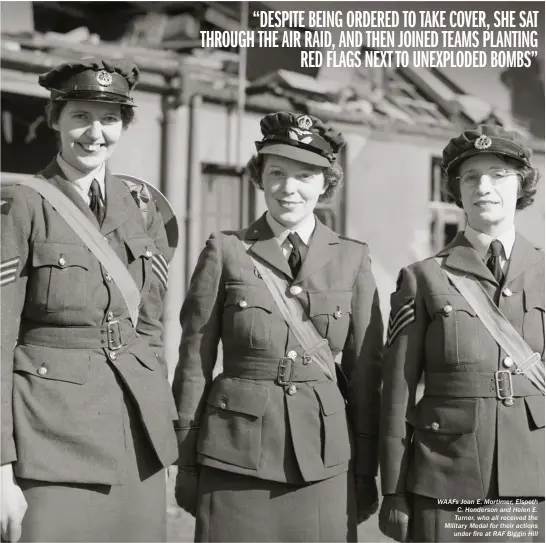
[523, 256]
[119, 203]
[463, 257]
[265, 246]
[323, 246]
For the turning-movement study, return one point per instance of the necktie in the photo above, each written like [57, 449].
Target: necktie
[95, 201]
[493, 263]
[298, 253]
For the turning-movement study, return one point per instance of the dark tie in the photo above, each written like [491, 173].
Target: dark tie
[298, 253]
[494, 263]
[95, 201]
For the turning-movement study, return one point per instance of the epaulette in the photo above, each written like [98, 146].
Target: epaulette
[345, 238]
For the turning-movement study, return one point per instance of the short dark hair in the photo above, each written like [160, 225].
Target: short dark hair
[333, 176]
[54, 109]
[528, 182]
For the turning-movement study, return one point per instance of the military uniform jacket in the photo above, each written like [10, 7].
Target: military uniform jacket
[460, 440]
[68, 344]
[245, 421]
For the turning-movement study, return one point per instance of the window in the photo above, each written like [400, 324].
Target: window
[446, 219]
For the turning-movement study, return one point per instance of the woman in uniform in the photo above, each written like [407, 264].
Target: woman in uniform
[478, 431]
[265, 448]
[87, 410]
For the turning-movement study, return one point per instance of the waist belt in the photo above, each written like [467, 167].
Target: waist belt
[113, 336]
[502, 385]
[282, 370]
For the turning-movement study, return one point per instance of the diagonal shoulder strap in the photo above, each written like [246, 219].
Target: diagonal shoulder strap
[89, 234]
[527, 362]
[313, 344]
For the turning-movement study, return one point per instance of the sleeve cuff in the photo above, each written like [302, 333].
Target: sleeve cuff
[366, 460]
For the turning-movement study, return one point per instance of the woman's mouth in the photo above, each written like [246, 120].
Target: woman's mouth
[287, 204]
[485, 203]
[90, 147]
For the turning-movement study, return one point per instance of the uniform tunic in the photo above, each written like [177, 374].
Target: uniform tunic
[460, 441]
[85, 399]
[244, 422]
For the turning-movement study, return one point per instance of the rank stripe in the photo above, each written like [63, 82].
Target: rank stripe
[161, 268]
[393, 334]
[404, 316]
[408, 306]
[9, 263]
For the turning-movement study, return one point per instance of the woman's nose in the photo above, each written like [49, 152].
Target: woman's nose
[289, 185]
[484, 184]
[95, 129]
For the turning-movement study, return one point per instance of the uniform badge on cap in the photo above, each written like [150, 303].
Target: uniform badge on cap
[305, 122]
[483, 142]
[104, 79]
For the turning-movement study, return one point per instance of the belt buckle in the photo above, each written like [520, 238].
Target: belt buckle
[114, 343]
[498, 382]
[284, 363]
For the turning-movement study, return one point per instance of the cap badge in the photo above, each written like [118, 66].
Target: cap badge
[305, 122]
[104, 79]
[303, 136]
[483, 142]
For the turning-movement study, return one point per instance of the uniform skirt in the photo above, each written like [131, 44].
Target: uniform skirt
[233, 507]
[437, 522]
[132, 511]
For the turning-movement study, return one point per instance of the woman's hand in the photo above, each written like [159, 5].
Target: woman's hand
[394, 517]
[367, 501]
[185, 490]
[13, 506]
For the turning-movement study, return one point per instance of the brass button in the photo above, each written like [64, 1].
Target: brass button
[292, 389]
[109, 316]
[509, 402]
[507, 292]
[223, 401]
[243, 303]
[62, 261]
[148, 253]
[108, 277]
[306, 359]
[42, 370]
[338, 314]
[112, 355]
[435, 426]
[292, 354]
[295, 290]
[448, 309]
[507, 362]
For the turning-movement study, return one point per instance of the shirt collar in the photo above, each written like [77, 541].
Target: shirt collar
[481, 241]
[305, 229]
[81, 180]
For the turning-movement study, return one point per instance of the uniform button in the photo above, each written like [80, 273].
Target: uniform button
[509, 402]
[112, 355]
[292, 389]
[507, 292]
[108, 277]
[109, 316]
[223, 402]
[295, 290]
[105, 238]
[306, 360]
[338, 314]
[148, 253]
[292, 354]
[507, 362]
[243, 303]
[435, 426]
[42, 370]
[448, 309]
[62, 261]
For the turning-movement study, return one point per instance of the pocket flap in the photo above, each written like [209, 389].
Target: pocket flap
[60, 255]
[240, 396]
[145, 355]
[443, 416]
[441, 303]
[331, 400]
[533, 298]
[54, 364]
[535, 407]
[140, 246]
[246, 297]
[327, 303]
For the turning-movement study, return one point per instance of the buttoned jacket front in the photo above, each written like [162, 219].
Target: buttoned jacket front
[456, 443]
[244, 421]
[61, 407]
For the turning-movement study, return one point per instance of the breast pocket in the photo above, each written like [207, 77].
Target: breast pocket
[330, 312]
[533, 319]
[58, 281]
[140, 253]
[247, 316]
[458, 325]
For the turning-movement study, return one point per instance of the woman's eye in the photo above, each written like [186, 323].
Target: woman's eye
[110, 119]
[275, 173]
[79, 116]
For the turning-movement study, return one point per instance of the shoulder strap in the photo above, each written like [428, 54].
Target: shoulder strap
[89, 234]
[527, 362]
[314, 345]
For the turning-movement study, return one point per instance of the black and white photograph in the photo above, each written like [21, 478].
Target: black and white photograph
[272, 271]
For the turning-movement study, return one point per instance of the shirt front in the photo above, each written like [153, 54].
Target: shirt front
[82, 182]
[481, 243]
[304, 230]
